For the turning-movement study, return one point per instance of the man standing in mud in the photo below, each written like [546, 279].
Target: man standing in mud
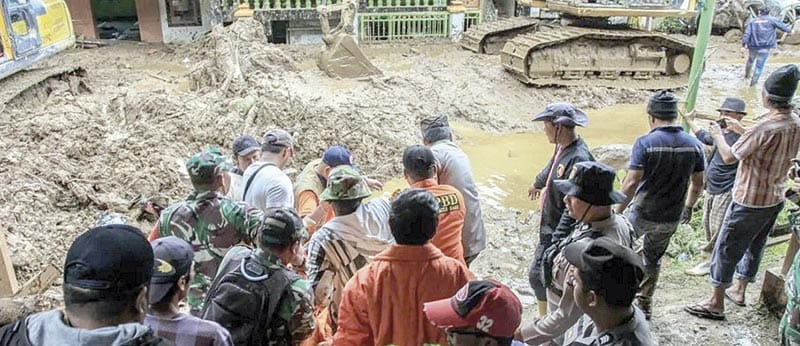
[453, 168]
[560, 120]
[758, 39]
[764, 154]
[665, 163]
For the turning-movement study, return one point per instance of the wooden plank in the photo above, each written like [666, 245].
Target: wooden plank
[40, 282]
[8, 279]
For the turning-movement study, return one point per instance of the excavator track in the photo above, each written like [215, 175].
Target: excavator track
[25, 80]
[572, 56]
[489, 37]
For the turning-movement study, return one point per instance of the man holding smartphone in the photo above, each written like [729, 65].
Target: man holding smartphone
[719, 176]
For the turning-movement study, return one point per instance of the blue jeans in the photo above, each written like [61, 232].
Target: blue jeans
[740, 244]
[760, 57]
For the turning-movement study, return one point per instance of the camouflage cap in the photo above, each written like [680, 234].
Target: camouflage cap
[203, 166]
[281, 227]
[345, 183]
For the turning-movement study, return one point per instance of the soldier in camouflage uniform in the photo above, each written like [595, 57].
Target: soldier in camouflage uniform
[292, 320]
[208, 220]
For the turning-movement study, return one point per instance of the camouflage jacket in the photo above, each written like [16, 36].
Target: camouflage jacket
[299, 309]
[213, 224]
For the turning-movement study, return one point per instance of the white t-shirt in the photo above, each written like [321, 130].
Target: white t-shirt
[271, 188]
[235, 190]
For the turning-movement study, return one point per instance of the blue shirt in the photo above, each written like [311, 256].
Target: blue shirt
[719, 176]
[668, 156]
[760, 32]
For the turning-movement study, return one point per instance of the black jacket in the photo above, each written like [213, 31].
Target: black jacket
[555, 219]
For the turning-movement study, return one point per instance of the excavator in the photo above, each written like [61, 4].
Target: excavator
[588, 50]
[31, 31]
[342, 58]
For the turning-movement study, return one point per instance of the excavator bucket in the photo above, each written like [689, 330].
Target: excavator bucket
[343, 58]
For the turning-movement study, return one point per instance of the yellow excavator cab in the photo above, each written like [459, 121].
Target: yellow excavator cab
[31, 30]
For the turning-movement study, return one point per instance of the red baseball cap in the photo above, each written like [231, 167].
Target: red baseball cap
[487, 305]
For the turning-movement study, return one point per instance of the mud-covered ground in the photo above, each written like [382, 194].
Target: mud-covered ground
[72, 151]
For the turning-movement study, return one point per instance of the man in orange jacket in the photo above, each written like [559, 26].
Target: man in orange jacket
[420, 172]
[382, 303]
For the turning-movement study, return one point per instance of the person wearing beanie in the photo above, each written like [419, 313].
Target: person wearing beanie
[454, 168]
[764, 154]
[383, 303]
[211, 222]
[172, 274]
[560, 121]
[719, 176]
[246, 151]
[312, 181]
[664, 180]
[589, 196]
[758, 39]
[106, 276]
[256, 296]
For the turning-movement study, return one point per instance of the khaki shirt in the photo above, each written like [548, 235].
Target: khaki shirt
[563, 312]
[633, 332]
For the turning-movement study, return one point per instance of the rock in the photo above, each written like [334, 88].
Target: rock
[614, 155]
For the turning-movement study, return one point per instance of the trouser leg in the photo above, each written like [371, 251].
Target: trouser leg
[535, 270]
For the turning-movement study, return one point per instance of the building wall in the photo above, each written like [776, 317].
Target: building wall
[184, 34]
[148, 14]
[82, 18]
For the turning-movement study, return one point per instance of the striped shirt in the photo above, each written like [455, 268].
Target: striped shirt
[765, 152]
[342, 246]
[187, 330]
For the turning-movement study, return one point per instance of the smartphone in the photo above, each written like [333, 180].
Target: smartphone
[722, 123]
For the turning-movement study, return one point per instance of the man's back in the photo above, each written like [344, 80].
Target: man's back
[452, 211]
[454, 169]
[270, 188]
[187, 330]
[382, 304]
[760, 32]
[668, 157]
[765, 151]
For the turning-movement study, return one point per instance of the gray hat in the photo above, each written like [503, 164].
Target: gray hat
[245, 145]
[438, 120]
[563, 113]
[278, 138]
[663, 105]
[732, 104]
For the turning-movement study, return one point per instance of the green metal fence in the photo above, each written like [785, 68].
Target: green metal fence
[403, 26]
[281, 4]
[405, 3]
[472, 17]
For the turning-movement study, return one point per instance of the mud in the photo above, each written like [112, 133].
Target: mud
[70, 154]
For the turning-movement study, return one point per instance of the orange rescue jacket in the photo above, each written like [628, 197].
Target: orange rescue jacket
[382, 303]
[451, 217]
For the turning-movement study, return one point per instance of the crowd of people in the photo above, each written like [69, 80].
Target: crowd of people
[251, 257]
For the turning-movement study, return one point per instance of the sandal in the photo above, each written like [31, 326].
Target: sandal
[736, 302]
[703, 312]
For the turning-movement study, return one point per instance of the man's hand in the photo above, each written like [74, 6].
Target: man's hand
[533, 192]
[299, 259]
[686, 215]
[744, 48]
[734, 125]
[691, 115]
[374, 184]
[714, 129]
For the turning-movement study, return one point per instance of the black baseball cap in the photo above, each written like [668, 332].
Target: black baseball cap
[613, 270]
[281, 227]
[418, 157]
[663, 105]
[109, 258]
[245, 145]
[173, 260]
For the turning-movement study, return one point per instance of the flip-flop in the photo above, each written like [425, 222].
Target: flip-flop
[734, 301]
[703, 312]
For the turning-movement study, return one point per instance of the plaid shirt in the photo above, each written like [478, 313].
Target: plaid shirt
[764, 152]
[187, 330]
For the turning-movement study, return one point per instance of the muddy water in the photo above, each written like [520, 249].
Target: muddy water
[505, 165]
